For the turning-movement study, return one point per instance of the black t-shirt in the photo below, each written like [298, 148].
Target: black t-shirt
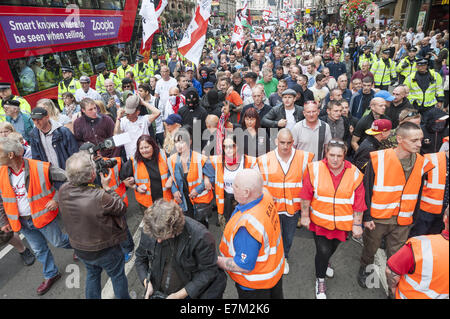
[364, 124]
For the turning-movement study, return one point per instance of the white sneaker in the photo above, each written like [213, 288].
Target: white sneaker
[321, 288]
[330, 271]
[286, 267]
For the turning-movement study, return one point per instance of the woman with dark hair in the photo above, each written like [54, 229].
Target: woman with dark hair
[332, 204]
[191, 172]
[147, 173]
[255, 139]
[226, 167]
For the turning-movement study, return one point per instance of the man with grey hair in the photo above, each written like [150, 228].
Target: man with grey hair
[30, 203]
[251, 247]
[86, 91]
[93, 218]
[168, 232]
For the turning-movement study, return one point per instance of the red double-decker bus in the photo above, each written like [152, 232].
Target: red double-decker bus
[38, 37]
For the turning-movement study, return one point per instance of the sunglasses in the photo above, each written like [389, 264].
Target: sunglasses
[334, 142]
[410, 114]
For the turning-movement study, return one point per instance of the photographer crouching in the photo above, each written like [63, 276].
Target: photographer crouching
[176, 257]
[93, 218]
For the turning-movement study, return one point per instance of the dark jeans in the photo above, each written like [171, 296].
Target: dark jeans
[229, 206]
[113, 262]
[127, 245]
[325, 248]
[427, 224]
[273, 293]
[288, 228]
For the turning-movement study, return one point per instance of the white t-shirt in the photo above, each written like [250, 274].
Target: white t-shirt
[134, 130]
[162, 89]
[18, 185]
[290, 118]
[229, 176]
[319, 94]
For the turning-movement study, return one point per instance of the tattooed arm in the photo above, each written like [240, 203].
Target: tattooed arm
[228, 264]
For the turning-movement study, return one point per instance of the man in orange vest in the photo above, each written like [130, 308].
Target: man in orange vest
[282, 170]
[420, 269]
[432, 206]
[392, 180]
[29, 202]
[251, 247]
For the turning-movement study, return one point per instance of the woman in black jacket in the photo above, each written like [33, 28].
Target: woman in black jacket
[176, 257]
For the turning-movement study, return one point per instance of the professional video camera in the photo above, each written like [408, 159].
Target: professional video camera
[102, 165]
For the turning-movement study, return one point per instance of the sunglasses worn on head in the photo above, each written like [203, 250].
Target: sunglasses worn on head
[410, 114]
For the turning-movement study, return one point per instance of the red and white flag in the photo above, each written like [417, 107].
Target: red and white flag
[191, 46]
[266, 14]
[238, 33]
[150, 22]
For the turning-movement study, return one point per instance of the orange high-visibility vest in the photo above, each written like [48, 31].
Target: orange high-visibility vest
[216, 161]
[120, 189]
[40, 191]
[141, 177]
[285, 189]
[263, 224]
[333, 208]
[393, 195]
[430, 277]
[433, 190]
[195, 176]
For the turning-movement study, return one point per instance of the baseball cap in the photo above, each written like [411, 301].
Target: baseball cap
[85, 79]
[379, 126]
[208, 85]
[174, 118]
[384, 95]
[131, 104]
[38, 112]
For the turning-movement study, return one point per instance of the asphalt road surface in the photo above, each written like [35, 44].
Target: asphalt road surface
[20, 282]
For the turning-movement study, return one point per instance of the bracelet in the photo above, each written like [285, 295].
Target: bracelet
[360, 225]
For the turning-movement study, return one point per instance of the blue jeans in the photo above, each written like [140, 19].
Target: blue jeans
[38, 237]
[113, 262]
[288, 227]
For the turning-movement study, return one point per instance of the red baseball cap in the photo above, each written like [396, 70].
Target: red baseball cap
[379, 126]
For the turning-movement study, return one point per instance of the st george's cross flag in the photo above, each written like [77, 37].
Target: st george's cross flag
[150, 23]
[191, 46]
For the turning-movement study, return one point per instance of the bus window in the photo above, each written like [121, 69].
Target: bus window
[110, 4]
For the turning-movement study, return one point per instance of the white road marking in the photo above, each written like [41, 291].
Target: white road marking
[8, 248]
[107, 291]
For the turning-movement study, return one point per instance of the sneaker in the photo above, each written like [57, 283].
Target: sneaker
[321, 288]
[286, 267]
[28, 257]
[358, 240]
[362, 277]
[128, 256]
[330, 271]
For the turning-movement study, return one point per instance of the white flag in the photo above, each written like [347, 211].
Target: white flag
[150, 18]
[238, 33]
[191, 46]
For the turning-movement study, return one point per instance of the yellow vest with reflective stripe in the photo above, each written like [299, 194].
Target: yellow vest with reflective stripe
[383, 74]
[74, 85]
[427, 98]
[24, 107]
[412, 67]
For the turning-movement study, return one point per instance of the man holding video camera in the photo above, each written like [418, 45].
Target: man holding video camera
[93, 219]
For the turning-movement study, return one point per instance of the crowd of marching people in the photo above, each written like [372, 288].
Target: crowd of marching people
[342, 133]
